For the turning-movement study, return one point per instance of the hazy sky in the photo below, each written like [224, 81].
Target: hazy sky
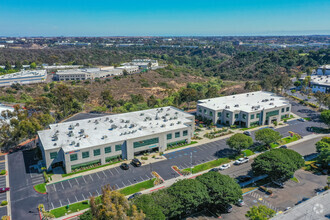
[170, 17]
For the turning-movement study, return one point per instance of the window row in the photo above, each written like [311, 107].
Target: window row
[177, 134]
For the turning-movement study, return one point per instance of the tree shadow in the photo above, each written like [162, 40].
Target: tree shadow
[227, 152]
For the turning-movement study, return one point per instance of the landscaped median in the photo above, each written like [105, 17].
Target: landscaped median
[138, 187]
[285, 140]
[88, 169]
[40, 188]
[207, 165]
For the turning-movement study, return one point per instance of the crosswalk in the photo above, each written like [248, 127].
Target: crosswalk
[261, 199]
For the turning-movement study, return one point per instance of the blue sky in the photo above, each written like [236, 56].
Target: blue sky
[163, 18]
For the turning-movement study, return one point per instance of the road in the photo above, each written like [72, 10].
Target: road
[25, 199]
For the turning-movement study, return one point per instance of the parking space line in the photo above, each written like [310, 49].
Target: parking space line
[83, 196]
[104, 173]
[97, 192]
[141, 178]
[76, 198]
[60, 203]
[111, 172]
[54, 187]
[90, 193]
[90, 175]
[129, 182]
[123, 183]
[84, 179]
[117, 186]
[52, 205]
[76, 181]
[97, 175]
[117, 170]
[69, 183]
[68, 200]
[62, 185]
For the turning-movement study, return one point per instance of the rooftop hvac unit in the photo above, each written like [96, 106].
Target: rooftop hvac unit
[71, 127]
[127, 121]
[179, 122]
[141, 114]
[111, 121]
[82, 131]
[78, 145]
[73, 143]
[171, 124]
[271, 103]
[89, 121]
[77, 124]
[163, 126]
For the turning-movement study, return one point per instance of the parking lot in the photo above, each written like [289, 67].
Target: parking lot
[83, 187]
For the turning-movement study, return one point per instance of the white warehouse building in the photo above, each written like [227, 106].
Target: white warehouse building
[86, 142]
[323, 70]
[84, 74]
[320, 83]
[23, 77]
[245, 110]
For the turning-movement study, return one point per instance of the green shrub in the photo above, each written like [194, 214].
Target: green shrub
[144, 158]
[2, 172]
[3, 203]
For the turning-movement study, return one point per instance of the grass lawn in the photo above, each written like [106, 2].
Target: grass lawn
[93, 168]
[285, 140]
[179, 146]
[308, 119]
[40, 187]
[244, 129]
[247, 189]
[138, 187]
[295, 179]
[208, 165]
[247, 153]
[75, 207]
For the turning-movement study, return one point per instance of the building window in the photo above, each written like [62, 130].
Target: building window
[219, 114]
[258, 115]
[244, 116]
[53, 155]
[211, 113]
[185, 133]
[177, 134]
[287, 109]
[118, 147]
[272, 113]
[85, 154]
[205, 111]
[282, 110]
[169, 136]
[227, 115]
[97, 152]
[252, 117]
[236, 116]
[73, 157]
[199, 109]
[145, 142]
[107, 150]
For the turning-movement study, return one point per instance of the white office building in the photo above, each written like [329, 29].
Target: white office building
[129, 69]
[245, 110]
[142, 63]
[84, 74]
[320, 83]
[23, 77]
[99, 140]
[323, 70]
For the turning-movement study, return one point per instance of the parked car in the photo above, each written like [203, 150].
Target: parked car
[284, 147]
[287, 208]
[279, 184]
[247, 133]
[310, 129]
[136, 162]
[2, 190]
[226, 208]
[244, 178]
[224, 166]
[214, 170]
[124, 166]
[301, 119]
[302, 200]
[241, 160]
[240, 203]
[134, 195]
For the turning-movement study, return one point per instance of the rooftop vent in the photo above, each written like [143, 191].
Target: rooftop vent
[271, 103]
[272, 99]
[77, 124]
[179, 122]
[111, 121]
[237, 105]
[77, 145]
[71, 127]
[247, 95]
[141, 114]
[163, 126]
[104, 137]
[171, 124]
[233, 96]
[89, 121]
[82, 131]
[95, 128]
[55, 144]
[73, 143]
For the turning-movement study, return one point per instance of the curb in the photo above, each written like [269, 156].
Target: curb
[40, 192]
[63, 180]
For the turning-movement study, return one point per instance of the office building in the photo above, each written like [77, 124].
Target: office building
[245, 110]
[129, 69]
[86, 142]
[23, 77]
[320, 83]
[84, 74]
[142, 63]
[323, 70]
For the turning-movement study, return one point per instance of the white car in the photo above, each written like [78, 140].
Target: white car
[301, 119]
[224, 166]
[242, 160]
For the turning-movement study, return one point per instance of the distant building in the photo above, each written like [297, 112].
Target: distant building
[247, 109]
[129, 69]
[84, 74]
[325, 69]
[77, 144]
[4, 108]
[142, 63]
[58, 67]
[320, 83]
[23, 77]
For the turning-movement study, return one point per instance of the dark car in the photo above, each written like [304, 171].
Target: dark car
[226, 208]
[2, 190]
[244, 178]
[247, 133]
[136, 162]
[284, 147]
[310, 129]
[124, 166]
[214, 170]
[134, 195]
[278, 183]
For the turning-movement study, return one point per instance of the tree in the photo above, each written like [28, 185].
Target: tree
[190, 195]
[239, 142]
[125, 73]
[33, 65]
[277, 163]
[147, 204]
[7, 66]
[221, 188]
[114, 205]
[325, 117]
[18, 65]
[108, 99]
[260, 212]
[323, 148]
[297, 83]
[267, 136]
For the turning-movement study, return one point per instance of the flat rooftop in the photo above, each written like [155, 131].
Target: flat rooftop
[25, 73]
[314, 208]
[248, 102]
[325, 66]
[86, 133]
[321, 80]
